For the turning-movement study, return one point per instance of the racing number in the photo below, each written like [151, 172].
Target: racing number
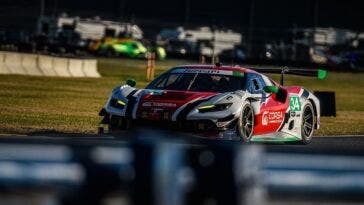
[294, 103]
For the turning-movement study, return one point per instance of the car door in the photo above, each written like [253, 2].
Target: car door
[270, 116]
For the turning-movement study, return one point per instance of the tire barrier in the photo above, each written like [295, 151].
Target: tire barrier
[42, 65]
[159, 171]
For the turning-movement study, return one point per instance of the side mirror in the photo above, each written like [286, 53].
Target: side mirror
[131, 82]
[271, 89]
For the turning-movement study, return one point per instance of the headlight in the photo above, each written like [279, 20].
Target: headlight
[117, 103]
[214, 108]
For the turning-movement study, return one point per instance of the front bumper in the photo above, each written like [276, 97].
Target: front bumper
[188, 125]
[110, 123]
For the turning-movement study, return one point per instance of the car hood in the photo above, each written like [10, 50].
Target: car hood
[160, 105]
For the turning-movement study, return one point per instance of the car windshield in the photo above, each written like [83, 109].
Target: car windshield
[199, 81]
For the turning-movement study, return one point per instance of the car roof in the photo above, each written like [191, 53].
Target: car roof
[228, 68]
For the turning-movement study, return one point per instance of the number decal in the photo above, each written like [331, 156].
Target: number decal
[294, 103]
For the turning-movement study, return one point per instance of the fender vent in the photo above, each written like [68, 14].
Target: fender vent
[291, 125]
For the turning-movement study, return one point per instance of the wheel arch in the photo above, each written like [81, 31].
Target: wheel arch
[315, 111]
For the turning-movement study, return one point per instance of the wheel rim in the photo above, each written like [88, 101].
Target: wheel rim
[307, 123]
[247, 122]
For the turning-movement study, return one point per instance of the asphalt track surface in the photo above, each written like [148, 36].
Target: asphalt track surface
[343, 143]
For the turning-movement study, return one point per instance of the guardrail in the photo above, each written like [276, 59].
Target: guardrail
[163, 172]
[42, 65]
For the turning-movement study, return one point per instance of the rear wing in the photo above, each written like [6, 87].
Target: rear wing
[320, 74]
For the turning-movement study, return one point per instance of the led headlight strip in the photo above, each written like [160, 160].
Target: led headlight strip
[214, 108]
[117, 103]
[120, 102]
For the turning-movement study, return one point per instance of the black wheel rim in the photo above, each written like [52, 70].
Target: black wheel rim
[247, 122]
[307, 123]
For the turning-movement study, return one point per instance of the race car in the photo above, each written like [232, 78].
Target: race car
[218, 101]
[112, 47]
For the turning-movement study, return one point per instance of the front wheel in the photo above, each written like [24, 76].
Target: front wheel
[308, 123]
[246, 123]
[119, 123]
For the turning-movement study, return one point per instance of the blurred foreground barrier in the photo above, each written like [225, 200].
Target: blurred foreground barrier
[314, 174]
[42, 65]
[310, 178]
[165, 172]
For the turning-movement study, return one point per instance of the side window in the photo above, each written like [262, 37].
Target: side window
[161, 82]
[255, 83]
[172, 79]
[167, 81]
[134, 46]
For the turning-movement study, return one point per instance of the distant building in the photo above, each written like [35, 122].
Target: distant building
[210, 42]
[88, 29]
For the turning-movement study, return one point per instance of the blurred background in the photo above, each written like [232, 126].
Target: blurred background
[300, 33]
[60, 59]
[85, 48]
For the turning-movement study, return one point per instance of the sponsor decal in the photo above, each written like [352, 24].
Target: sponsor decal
[272, 117]
[157, 92]
[265, 118]
[157, 110]
[158, 104]
[294, 103]
[147, 104]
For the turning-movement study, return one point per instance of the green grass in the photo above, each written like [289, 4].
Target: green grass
[31, 104]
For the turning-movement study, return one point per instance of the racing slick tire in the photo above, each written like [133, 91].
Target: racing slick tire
[246, 123]
[119, 123]
[308, 123]
[108, 52]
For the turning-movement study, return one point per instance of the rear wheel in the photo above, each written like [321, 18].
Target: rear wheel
[308, 123]
[246, 123]
[110, 52]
